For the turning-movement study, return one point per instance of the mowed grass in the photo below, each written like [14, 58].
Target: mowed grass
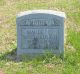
[46, 64]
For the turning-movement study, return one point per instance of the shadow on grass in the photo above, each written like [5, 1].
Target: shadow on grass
[45, 58]
[9, 56]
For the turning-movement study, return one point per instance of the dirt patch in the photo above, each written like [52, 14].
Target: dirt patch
[1, 71]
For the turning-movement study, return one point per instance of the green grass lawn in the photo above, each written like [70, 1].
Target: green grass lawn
[46, 64]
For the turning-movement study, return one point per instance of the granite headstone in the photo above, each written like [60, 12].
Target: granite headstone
[40, 30]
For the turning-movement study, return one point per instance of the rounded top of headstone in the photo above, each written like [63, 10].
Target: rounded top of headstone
[57, 13]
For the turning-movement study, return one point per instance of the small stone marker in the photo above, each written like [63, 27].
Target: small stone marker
[40, 30]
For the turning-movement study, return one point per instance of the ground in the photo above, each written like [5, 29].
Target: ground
[46, 64]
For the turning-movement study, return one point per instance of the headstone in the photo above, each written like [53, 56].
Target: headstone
[40, 30]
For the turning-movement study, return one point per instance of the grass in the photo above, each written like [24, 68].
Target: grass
[46, 64]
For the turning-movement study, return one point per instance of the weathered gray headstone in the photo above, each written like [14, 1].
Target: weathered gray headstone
[40, 30]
